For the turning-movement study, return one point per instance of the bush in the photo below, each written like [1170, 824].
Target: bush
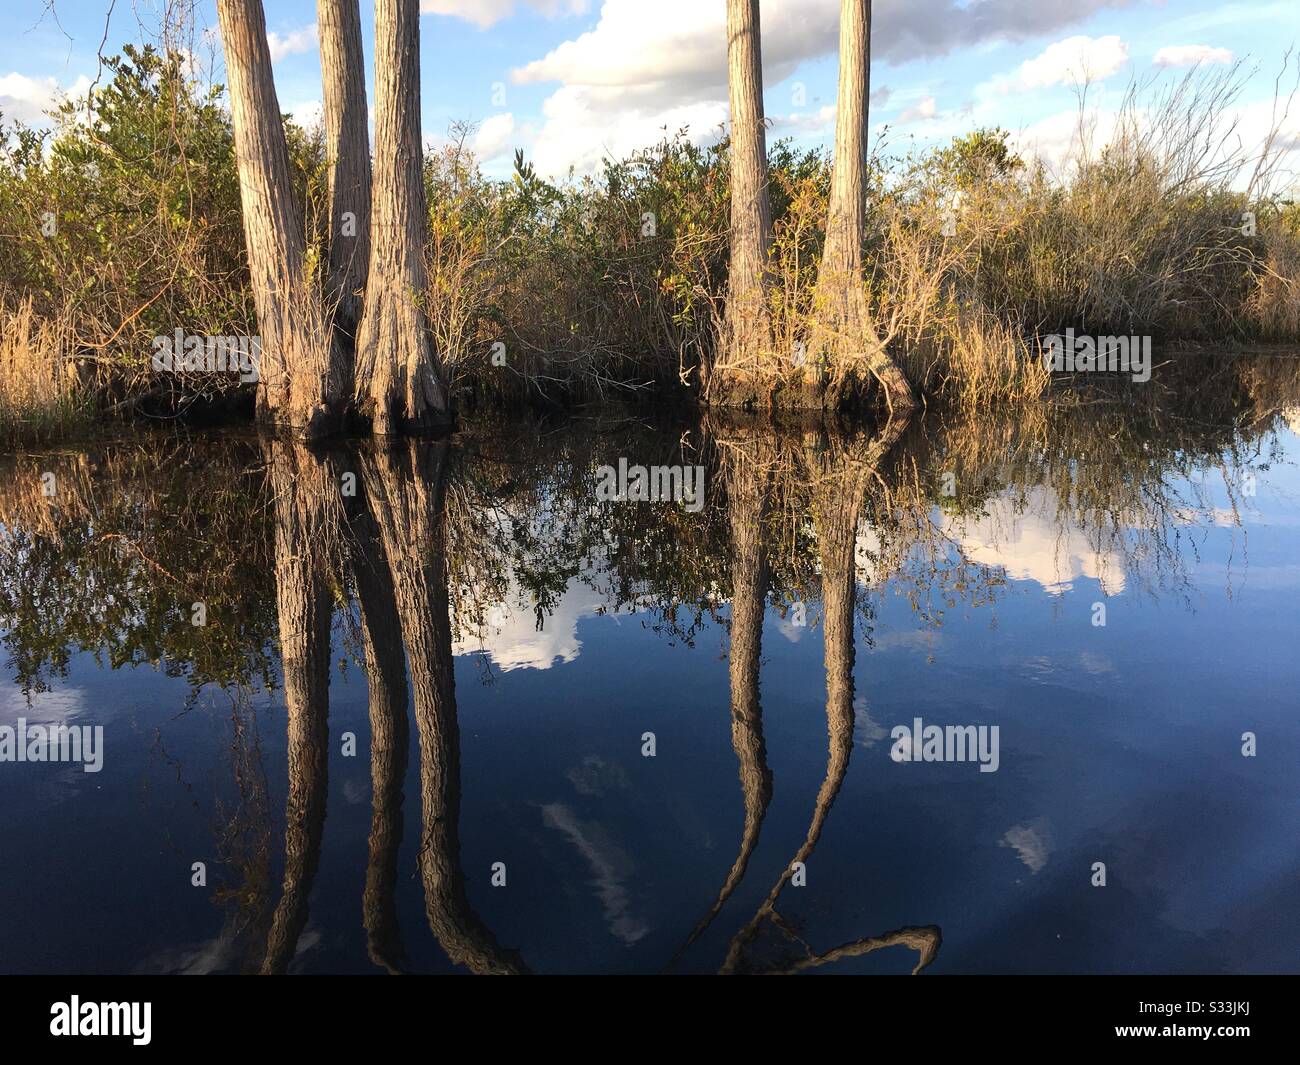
[613, 283]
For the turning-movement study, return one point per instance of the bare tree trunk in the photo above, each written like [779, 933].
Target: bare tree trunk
[840, 473]
[399, 383]
[406, 488]
[748, 480]
[747, 334]
[843, 334]
[347, 151]
[303, 496]
[301, 372]
[381, 635]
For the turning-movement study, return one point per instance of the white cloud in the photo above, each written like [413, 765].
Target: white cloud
[866, 731]
[1059, 138]
[495, 137]
[598, 777]
[1187, 55]
[24, 99]
[641, 70]
[922, 110]
[583, 125]
[1056, 138]
[308, 114]
[916, 29]
[804, 123]
[1075, 60]
[295, 42]
[682, 50]
[512, 639]
[1032, 841]
[1036, 540]
[59, 706]
[633, 78]
[611, 869]
[485, 13]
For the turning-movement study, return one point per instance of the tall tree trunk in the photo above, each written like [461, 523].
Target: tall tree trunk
[347, 152]
[304, 493]
[746, 473]
[381, 635]
[302, 378]
[400, 383]
[843, 336]
[840, 473]
[406, 487]
[747, 335]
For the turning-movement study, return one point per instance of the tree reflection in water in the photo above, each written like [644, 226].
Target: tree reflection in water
[438, 533]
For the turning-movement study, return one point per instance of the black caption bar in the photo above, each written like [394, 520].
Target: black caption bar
[165, 1014]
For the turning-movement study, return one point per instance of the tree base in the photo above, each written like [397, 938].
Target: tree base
[430, 423]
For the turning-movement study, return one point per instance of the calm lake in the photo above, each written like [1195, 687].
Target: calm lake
[661, 734]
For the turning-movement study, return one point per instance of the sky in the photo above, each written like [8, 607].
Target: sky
[573, 81]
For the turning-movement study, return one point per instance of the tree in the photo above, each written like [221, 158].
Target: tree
[977, 159]
[843, 333]
[399, 381]
[381, 641]
[405, 487]
[347, 148]
[307, 511]
[301, 376]
[747, 331]
[841, 473]
[747, 464]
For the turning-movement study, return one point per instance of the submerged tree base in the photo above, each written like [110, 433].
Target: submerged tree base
[815, 392]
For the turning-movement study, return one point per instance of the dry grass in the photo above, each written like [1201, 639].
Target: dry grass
[1171, 226]
[40, 390]
[1273, 305]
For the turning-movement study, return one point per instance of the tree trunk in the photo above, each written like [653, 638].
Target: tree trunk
[747, 334]
[347, 150]
[840, 474]
[381, 635]
[399, 382]
[303, 495]
[746, 465]
[301, 377]
[406, 487]
[843, 335]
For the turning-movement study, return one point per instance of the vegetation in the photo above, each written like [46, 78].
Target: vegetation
[520, 524]
[125, 224]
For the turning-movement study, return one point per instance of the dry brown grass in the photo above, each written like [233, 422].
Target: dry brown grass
[40, 390]
[1274, 303]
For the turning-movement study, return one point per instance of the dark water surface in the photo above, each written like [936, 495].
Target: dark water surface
[825, 587]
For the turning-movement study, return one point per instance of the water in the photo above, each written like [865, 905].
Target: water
[826, 587]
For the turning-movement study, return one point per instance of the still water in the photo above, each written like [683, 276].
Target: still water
[605, 735]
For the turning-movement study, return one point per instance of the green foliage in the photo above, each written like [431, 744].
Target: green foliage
[141, 187]
[113, 563]
[616, 280]
[978, 158]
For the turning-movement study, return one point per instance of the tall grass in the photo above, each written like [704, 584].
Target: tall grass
[613, 284]
[40, 390]
[1169, 227]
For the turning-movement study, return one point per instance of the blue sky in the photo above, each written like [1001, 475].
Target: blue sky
[571, 80]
